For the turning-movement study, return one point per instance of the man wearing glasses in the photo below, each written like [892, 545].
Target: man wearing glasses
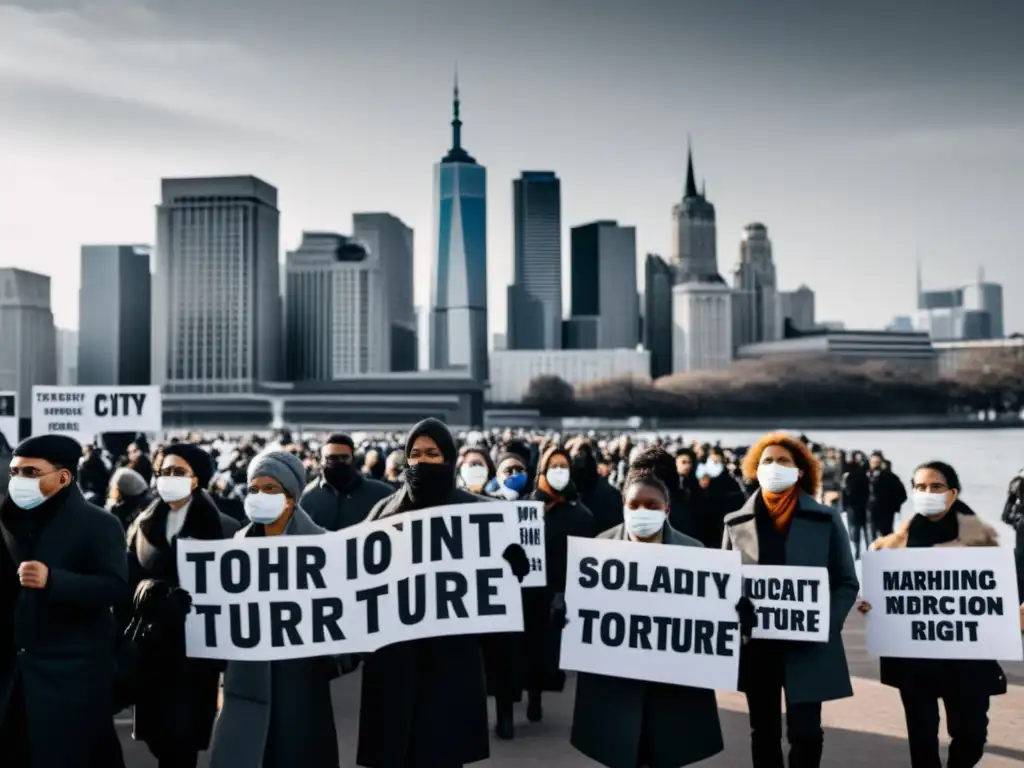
[62, 570]
[342, 496]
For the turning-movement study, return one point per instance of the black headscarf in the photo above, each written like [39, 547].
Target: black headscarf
[198, 459]
[60, 450]
[428, 484]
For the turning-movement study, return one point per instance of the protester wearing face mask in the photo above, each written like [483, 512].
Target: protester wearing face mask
[475, 470]
[127, 496]
[342, 496]
[278, 714]
[544, 607]
[942, 519]
[595, 492]
[782, 524]
[512, 477]
[62, 570]
[424, 702]
[177, 697]
[624, 723]
[722, 495]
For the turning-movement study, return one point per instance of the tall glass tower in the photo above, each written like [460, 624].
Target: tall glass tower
[458, 323]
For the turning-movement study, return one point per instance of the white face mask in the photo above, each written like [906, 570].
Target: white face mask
[558, 478]
[713, 469]
[508, 493]
[930, 504]
[265, 507]
[25, 492]
[474, 475]
[644, 523]
[172, 489]
[777, 478]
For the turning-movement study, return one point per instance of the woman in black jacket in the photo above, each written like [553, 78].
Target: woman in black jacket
[544, 607]
[964, 686]
[177, 697]
[424, 702]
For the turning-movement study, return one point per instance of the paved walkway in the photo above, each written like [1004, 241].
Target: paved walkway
[866, 730]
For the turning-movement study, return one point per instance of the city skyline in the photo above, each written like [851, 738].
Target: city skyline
[851, 181]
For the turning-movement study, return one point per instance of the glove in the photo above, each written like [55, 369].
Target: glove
[516, 557]
[748, 618]
[160, 611]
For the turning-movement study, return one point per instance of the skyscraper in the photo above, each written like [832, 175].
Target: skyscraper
[796, 309]
[336, 324]
[701, 300]
[535, 297]
[694, 246]
[755, 305]
[604, 293]
[114, 315]
[390, 242]
[216, 298]
[28, 339]
[458, 329]
[659, 277]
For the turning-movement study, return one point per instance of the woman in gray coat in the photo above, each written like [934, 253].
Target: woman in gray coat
[624, 723]
[278, 714]
[782, 524]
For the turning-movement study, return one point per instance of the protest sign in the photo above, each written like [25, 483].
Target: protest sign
[423, 574]
[530, 515]
[9, 418]
[84, 412]
[653, 612]
[792, 602]
[943, 603]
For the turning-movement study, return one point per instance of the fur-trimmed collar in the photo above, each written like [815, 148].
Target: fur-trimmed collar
[972, 531]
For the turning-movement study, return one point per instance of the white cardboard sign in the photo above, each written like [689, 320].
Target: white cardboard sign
[84, 412]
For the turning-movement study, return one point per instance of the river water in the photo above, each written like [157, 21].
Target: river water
[985, 459]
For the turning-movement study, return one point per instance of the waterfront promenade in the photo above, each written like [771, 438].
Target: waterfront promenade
[866, 730]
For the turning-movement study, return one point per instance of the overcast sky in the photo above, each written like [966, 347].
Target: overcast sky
[864, 135]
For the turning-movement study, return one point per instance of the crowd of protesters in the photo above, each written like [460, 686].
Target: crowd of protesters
[92, 613]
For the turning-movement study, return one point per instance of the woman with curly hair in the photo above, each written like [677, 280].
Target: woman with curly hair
[782, 524]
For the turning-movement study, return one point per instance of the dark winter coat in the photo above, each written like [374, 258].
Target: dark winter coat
[815, 672]
[886, 495]
[334, 510]
[177, 702]
[62, 637]
[542, 636]
[423, 702]
[970, 678]
[616, 719]
[278, 714]
[603, 501]
[724, 495]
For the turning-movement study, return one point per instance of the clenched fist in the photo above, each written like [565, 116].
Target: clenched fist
[33, 575]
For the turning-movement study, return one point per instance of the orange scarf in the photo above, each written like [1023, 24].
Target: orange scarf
[544, 487]
[781, 506]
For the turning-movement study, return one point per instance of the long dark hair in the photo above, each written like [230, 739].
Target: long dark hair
[952, 481]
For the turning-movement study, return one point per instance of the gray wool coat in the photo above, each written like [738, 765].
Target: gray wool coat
[608, 725]
[815, 672]
[278, 714]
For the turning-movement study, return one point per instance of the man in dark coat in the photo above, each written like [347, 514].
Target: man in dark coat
[596, 493]
[886, 495]
[62, 570]
[342, 496]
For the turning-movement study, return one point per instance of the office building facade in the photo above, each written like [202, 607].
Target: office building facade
[604, 286]
[701, 326]
[513, 370]
[114, 320]
[535, 297]
[390, 243]
[458, 328]
[28, 338]
[335, 319]
[216, 298]
[694, 233]
[797, 312]
[659, 277]
[755, 299]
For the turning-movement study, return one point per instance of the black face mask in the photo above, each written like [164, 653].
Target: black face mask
[584, 470]
[429, 484]
[339, 474]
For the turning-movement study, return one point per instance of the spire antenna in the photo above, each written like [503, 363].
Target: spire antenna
[456, 121]
[691, 184]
